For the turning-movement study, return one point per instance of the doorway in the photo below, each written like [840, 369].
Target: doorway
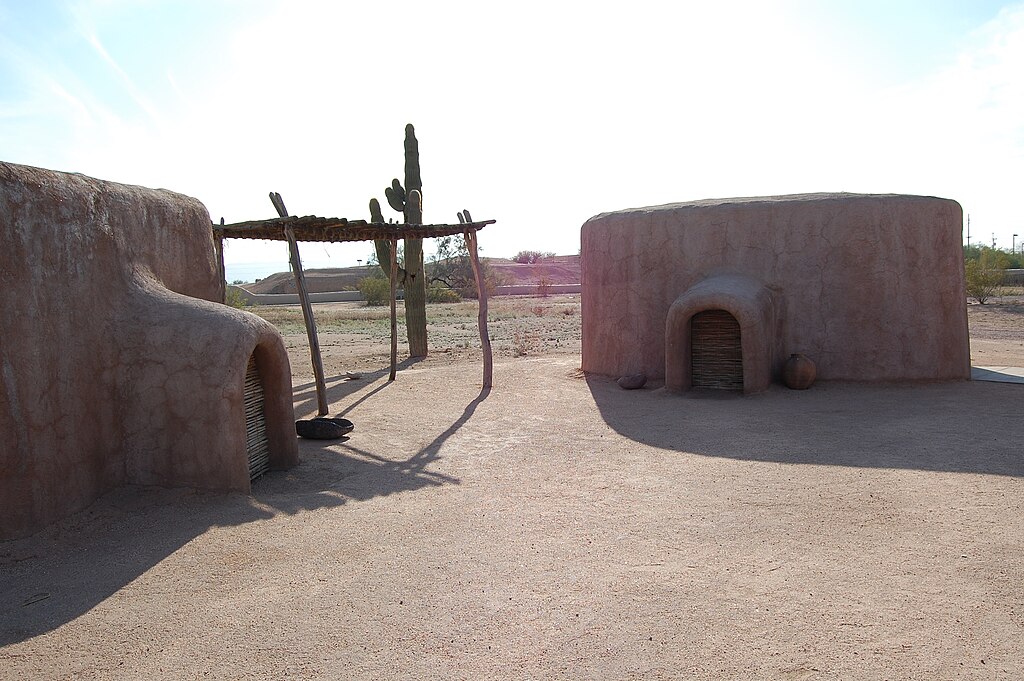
[716, 351]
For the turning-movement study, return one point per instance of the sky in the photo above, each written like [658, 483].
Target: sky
[536, 114]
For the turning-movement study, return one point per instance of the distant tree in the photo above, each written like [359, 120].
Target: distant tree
[450, 266]
[531, 257]
[1005, 259]
[984, 272]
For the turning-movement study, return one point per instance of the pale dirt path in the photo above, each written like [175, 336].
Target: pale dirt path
[997, 332]
[561, 528]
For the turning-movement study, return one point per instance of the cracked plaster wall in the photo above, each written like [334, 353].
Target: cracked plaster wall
[117, 366]
[871, 287]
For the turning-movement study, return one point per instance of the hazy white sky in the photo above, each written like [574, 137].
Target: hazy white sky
[537, 114]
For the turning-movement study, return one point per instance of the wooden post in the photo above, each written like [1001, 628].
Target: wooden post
[481, 287]
[394, 311]
[218, 249]
[307, 309]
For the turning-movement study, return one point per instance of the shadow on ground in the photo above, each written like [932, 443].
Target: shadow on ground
[969, 427]
[72, 567]
[340, 387]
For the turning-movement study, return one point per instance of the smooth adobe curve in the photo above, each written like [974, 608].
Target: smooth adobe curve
[119, 363]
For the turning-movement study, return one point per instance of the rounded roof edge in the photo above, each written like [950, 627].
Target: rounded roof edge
[810, 198]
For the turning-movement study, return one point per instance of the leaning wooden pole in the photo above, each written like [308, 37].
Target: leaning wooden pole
[394, 311]
[481, 287]
[307, 309]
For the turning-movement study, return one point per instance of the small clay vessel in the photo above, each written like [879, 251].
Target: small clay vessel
[799, 372]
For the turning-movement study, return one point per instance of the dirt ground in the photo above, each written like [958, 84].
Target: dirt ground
[559, 527]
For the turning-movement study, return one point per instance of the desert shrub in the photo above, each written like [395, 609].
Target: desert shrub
[442, 294]
[984, 274]
[538, 310]
[523, 342]
[234, 298]
[531, 257]
[375, 290]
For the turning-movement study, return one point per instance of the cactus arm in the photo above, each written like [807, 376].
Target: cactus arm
[383, 246]
[396, 196]
[375, 214]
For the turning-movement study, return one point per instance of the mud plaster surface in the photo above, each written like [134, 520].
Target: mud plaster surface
[560, 528]
[870, 287]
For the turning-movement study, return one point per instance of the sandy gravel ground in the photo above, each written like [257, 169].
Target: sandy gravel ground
[559, 527]
[997, 333]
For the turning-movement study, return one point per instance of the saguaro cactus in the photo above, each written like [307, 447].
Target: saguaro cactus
[408, 200]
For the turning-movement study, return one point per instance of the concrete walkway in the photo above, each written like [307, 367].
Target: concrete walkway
[998, 374]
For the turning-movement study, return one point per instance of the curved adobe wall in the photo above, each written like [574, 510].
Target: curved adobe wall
[871, 287]
[117, 366]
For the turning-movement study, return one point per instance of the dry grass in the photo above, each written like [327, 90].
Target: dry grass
[528, 326]
[518, 325]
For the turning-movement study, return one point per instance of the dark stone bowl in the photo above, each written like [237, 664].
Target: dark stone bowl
[324, 428]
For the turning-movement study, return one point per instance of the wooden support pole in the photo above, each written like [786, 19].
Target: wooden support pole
[481, 287]
[218, 249]
[394, 310]
[307, 309]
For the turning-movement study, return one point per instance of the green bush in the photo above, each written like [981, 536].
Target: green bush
[531, 257]
[984, 275]
[376, 291]
[234, 298]
[442, 294]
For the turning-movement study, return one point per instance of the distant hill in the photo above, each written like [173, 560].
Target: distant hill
[317, 281]
[559, 269]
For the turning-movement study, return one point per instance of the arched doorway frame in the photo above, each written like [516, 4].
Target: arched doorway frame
[745, 299]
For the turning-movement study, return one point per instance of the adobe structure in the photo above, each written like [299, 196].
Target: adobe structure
[721, 292]
[119, 364]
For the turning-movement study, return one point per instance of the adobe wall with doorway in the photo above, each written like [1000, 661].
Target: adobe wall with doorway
[118, 363]
[870, 287]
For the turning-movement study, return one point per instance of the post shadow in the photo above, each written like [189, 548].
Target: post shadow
[339, 387]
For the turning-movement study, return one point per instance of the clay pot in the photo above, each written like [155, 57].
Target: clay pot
[799, 372]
